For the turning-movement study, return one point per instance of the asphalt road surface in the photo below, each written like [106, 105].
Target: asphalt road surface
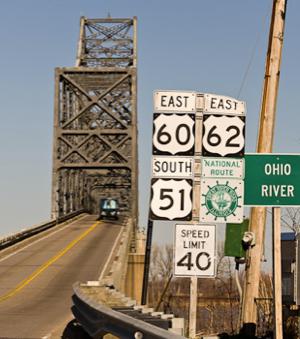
[36, 281]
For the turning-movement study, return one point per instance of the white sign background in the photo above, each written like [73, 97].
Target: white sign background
[222, 200]
[223, 136]
[171, 199]
[222, 168]
[174, 101]
[219, 104]
[194, 250]
[175, 167]
[173, 134]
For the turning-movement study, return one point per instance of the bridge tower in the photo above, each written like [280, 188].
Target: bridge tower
[95, 121]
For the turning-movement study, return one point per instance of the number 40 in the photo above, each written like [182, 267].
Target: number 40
[187, 261]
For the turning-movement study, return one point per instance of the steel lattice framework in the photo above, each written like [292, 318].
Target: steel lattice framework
[95, 120]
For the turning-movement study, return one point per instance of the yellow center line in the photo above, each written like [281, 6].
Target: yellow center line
[43, 267]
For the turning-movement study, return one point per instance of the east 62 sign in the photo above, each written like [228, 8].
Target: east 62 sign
[223, 135]
[171, 199]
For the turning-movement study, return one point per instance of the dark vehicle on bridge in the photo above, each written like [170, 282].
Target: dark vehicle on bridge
[109, 209]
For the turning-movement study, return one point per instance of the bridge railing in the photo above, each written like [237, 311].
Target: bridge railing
[99, 319]
[29, 232]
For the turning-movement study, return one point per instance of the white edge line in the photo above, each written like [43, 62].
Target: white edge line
[111, 253]
[38, 240]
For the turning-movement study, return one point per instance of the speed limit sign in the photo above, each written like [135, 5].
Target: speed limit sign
[223, 135]
[194, 250]
[171, 199]
[173, 134]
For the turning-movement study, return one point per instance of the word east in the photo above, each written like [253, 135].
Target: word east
[174, 101]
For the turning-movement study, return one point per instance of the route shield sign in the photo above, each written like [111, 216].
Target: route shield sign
[173, 134]
[171, 199]
[174, 101]
[223, 136]
[222, 168]
[221, 200]
[272, 179]
[175, 167]
[194, 250]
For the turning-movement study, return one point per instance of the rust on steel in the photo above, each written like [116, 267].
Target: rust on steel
[95, 120]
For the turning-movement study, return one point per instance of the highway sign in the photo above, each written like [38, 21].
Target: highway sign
[194, 250]
[223, 136]
[222, 168]
[173, 134]
[171, 199]
[272, 179]
[219, 104]
[221, 200]
[175, 167]
[174, 101]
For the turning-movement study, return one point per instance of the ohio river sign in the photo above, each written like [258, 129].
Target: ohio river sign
[272, 180]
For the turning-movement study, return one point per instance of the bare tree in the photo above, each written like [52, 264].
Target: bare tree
[291, 219]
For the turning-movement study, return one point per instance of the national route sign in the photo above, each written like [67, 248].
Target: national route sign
[222, 168]
[221, 200]
[272, 179]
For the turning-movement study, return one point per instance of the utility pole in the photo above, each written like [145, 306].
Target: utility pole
[264, 145]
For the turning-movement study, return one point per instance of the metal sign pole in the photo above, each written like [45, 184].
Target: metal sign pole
[147, 262]
[277, 294]
[196, 209]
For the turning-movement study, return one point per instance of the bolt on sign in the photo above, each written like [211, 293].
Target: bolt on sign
[174, 101]
[176, 167]
[272, 179]
[173, 134]
[223, 136]
[221, 200]
[194, 250]
[171, 199]
[222, 165]
[173, 148]
[219, 104]
[222, 168]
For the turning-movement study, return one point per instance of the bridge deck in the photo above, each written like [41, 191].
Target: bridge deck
[36, 281]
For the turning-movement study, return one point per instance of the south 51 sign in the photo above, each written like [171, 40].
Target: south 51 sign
[272, 180]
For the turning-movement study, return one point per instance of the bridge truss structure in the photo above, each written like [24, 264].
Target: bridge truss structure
[95, 121]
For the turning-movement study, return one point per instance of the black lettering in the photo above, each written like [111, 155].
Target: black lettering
[185, 101]
[221, 104]
[171, 102]
[162, 100]
[228, 104]
[212, 103]
[156, 166]
[179, 102]
[164, 166]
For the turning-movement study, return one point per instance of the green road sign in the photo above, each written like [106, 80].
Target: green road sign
[272, 180]
[233, 239]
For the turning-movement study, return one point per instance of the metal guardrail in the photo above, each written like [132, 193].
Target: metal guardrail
[98, 320]
[15, 238]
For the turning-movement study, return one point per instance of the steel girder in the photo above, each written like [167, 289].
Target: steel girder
[95, 121]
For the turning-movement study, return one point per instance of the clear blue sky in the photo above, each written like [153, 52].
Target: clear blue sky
[185, 45]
